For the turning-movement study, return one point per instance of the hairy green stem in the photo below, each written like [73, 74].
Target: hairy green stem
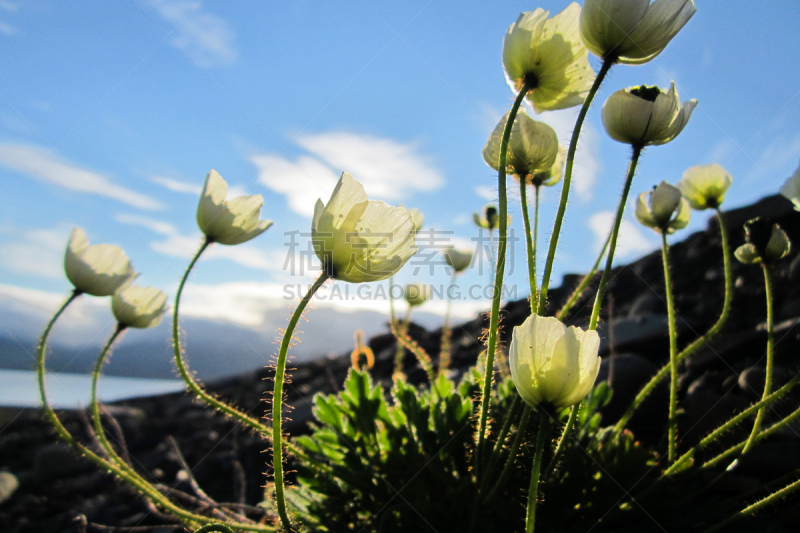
[672, 439]
[193, 385]
[770, 358]
[601, 289]
[188, 518]
[762, 435]
[277, 401]
[401, 350]
[500, 262]
[501, 440]
[533, 490]
[694, 346]
[562, 207]
[584, 282]
[445, 347]
[512, 453]
[730, 424]
[562, 442]
[751, 509]
[96, 419]
[529, 239]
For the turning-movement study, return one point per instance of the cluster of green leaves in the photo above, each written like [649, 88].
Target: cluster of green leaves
[402, 460]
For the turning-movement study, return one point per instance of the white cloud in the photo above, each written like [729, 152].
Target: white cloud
[177, 185]
[8, 29]
[9, 6]
[302, 181]
[487, 193]
[587, 159]
[630, 241]
[775, 159]
[388, 169]
[42, 163]
[722, 151]
[37, 252]
[206, 38]
[175, 244]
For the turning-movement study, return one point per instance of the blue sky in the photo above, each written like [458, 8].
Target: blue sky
[111, 114]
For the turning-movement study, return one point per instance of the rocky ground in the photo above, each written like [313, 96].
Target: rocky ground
[45, 487]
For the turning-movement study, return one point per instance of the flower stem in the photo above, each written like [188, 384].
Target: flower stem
[98, 424]
[401, 349]
[277, 400]
[501, 439]
[512, 453]
[533, 490]
[500, 262]
[562, 207]
[573, 415]
[750, 509]
[601, 289]
[770, 358]
[195, 387]
[672, 438]
[444, 351]
[584, 282]
[188, 518]
[686, 352]
[529, 239]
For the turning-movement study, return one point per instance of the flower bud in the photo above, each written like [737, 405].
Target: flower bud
[417, 294]
[791, 189]
[632, 31]
[139, 307]
[667, 211]
[99, 269]
[226, 222]
[460, 260]
[642, 116]
[553, 363]
[532, 146]
[766, 243]
[704, 186]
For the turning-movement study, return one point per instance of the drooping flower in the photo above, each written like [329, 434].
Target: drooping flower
[667, 211]
[489, 220]
[460, 260]
[532, 148]
[229, 222]
[551, 176]
[358, 239]
[766, 242]
[553, 363]
[791, 189]
[705, 186]
[139, 307]
[549, 56]
[642, 116]
[632, 31]
[417, 294]
[98, 269]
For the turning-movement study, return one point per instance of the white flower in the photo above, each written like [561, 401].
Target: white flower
[791, 189]
[667, 211]
[417, 293]
[139, 307]
[551, 176]
[460, 260]
[358, 239]
[99, 269]
[553, 363]
[705, 185]
[632, 31]
[417, 217]
[643, 115]
[232, 222]
[532, 146]
[548, 55]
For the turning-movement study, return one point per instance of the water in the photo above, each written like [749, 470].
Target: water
[19, 388]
